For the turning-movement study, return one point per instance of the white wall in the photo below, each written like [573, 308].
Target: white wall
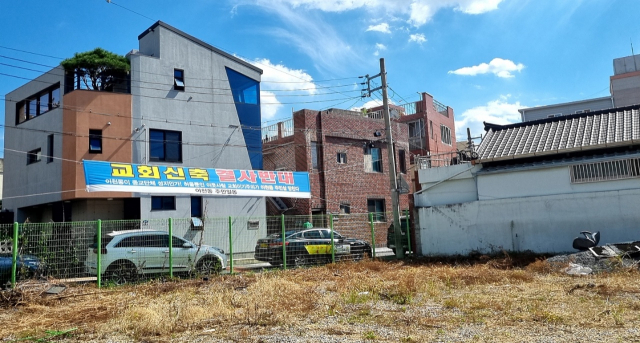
[540, 223]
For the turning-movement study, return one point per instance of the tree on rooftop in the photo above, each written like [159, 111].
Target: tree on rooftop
[98, 69]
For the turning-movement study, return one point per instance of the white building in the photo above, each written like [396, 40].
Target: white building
[624, 86]
[536, 185]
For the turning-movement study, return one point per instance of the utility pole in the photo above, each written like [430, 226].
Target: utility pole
[393, 180]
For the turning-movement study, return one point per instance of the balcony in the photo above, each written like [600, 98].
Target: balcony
[442, 160]
[117, 83]
[279, 130]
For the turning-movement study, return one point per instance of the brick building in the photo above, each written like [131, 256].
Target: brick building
[432, 131]
[345, 153]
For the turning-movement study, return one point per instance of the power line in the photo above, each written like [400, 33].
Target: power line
[130, 10]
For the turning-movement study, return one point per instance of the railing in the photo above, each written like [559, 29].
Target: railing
[410, 108]
[376, 114]
[443, 159]
[440, 108]
[279, 130]
[116, 83]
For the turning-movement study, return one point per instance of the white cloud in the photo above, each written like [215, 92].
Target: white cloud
[371, 104]
[498, 66]
[417, 12]
[379, 47]
[499, 111]
[382, 27]
[278, 82]
[311, 36]
[418, 38]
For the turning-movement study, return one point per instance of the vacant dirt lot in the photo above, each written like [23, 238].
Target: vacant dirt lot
[503, 299]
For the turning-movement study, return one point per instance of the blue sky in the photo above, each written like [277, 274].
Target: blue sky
[484, 58]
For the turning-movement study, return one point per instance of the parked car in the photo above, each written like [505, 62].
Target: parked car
[26, 266]
[391, 236]
[128, 254]
[309, 246]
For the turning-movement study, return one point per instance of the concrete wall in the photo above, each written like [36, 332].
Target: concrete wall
[627, 64]
[625, 88]
[542, 112]
[204, 112]
[543, 224]
[21, 181]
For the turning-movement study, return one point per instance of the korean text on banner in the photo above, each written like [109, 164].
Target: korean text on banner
[102, 176]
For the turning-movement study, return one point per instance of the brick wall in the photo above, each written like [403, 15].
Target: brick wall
[334, 183]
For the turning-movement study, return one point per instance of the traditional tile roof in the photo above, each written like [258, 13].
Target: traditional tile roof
[579, 132]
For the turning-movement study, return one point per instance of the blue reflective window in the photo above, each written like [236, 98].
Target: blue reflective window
[165, 145]
[163, 203]
[245, 90]
[246, 96]
[95, 141]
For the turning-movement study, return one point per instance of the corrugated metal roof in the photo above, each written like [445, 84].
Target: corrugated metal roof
[587, 131]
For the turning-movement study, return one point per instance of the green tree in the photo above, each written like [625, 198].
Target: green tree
[98, 69]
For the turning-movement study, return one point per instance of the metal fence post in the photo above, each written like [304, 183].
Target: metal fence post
[99, 251]
[373, 236]
[408, 232]
[284, 245]
[333, 243]
[14, 258]
[230, 248]
[171, 247]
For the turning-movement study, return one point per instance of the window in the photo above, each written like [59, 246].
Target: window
[196, 206]
[342, 158]
[313, 234]
[345, 208]
[376, 206]
[402, 162]
[49, 148]
[245, 90]
[33, 156]
[605, 171]
[431, 129]
[445, 134]
[373, 160]
[163, 203]
[38, 104]
[314, 155]
[178, 79]
[95, 141]
[165, 145]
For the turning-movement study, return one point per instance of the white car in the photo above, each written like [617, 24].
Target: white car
[131, 253]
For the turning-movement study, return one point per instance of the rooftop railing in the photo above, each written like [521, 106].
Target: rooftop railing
[279, 130]
[443, 159]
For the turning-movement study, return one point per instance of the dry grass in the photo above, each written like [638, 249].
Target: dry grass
[482, 299]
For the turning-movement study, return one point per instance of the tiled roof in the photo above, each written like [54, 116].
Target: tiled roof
[588, 131]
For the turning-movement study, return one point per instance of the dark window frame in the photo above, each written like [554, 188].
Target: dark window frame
[341, 158]
[178, 77]
[373, 205]
[201, 210]
[345, 208]
[376, 165]
[164, 203]
[34, 156]
[50, 140]
[315, 159]
[402, 161]
[95, 136]
[164, 143]
[35, 101]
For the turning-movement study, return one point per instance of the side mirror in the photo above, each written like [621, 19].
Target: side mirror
[186, 245]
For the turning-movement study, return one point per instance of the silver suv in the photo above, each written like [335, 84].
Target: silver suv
[131, 253]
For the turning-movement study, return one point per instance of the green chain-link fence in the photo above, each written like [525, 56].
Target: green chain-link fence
[120, 251]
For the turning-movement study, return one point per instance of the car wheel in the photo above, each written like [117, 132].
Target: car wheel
[208, 266]
[301, 260]
[121, 272]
